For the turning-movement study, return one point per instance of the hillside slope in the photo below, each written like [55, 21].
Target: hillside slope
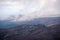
[37, 32]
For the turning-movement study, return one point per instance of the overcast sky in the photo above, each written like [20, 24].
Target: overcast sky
[29, 8]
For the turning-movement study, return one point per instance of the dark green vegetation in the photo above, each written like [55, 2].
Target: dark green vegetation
[31, 32]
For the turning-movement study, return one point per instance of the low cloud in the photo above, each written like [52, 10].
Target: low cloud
[29, 8]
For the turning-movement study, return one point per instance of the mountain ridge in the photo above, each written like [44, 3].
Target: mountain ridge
[46, 21]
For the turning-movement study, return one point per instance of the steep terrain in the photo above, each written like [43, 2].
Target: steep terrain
[33, 32]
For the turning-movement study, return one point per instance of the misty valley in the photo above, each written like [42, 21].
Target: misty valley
[37, 29]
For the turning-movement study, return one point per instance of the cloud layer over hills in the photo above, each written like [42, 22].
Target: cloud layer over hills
[29, 8]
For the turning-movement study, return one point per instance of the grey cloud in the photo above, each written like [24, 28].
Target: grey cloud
[34, 8]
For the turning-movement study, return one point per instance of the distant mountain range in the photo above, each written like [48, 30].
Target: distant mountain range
[46, 21]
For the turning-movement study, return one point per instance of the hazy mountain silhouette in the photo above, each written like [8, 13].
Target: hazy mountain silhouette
[45, 21]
